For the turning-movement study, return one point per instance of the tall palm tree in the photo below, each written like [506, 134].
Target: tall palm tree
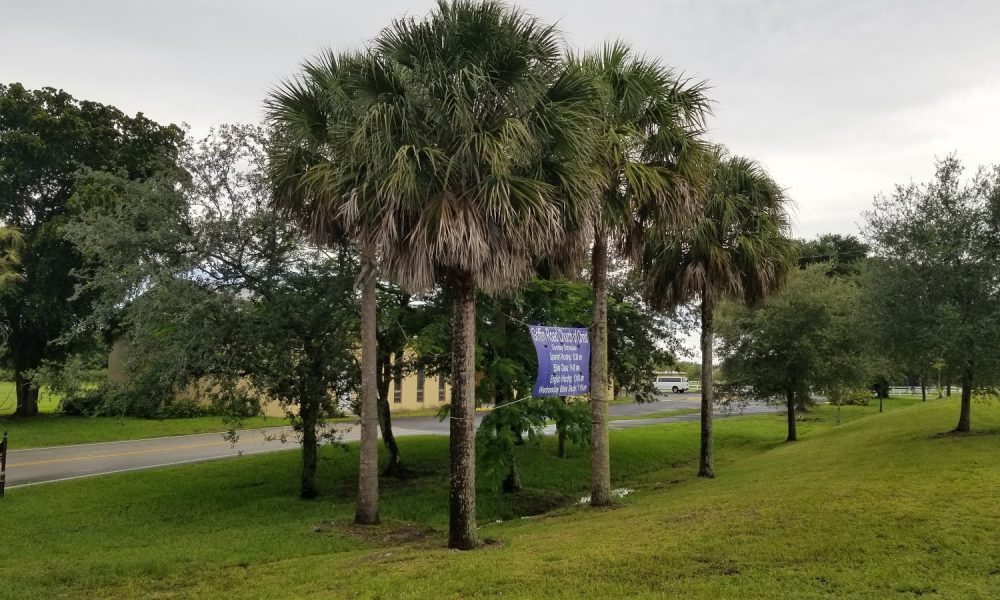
[649, 156]
[738, 247]
[466, 161]
[312, 116]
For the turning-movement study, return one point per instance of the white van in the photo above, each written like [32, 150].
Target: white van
[671, 383]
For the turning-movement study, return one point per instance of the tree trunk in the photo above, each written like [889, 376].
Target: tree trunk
[923, 389]
[949, 390]
[308, 411]
[512, 482]
[792, 434]
[561, 430]
[367, 513]
[965, 417]
[600, 451]
[394, 464]
[27, 396]
[462, 532]
[706, 464]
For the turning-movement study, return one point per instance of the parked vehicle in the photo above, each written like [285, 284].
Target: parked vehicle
[671, 383]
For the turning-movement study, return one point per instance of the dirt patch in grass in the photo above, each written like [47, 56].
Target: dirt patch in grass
[530, 502]
[384, 534]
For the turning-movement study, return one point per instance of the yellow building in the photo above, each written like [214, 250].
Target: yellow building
[416, 391]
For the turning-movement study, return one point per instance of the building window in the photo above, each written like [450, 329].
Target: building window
[420, 384]
[397, 383]
[441, 388]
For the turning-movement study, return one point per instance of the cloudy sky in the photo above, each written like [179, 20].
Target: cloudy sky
[839, 99]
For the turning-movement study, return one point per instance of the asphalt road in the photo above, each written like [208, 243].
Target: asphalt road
[59, 463]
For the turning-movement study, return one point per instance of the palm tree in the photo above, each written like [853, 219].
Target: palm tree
[311, 116]
[466, 160]
[11, 245]
[649, 157]
[739, 248]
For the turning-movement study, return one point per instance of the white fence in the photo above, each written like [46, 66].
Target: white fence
[932, 390]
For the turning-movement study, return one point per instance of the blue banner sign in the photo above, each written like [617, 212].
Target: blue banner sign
[563, 360]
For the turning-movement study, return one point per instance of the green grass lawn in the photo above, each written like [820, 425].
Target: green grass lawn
[879, 507]
[53, 429]
[47, 401]
[60, 430]
[658, 414]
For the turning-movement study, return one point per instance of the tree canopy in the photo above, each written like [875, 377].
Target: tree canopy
[47, 140]
[212, 290]
[936, 247]
[808, 338]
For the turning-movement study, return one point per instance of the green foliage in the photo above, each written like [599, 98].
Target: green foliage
[11, 246]
[649, 152]
[641, 340]
[738, 246]
[809, 338]
[79, 382]
[843, 254]
[47, 139]
[210, 287]
[460, 144]
[933, 293]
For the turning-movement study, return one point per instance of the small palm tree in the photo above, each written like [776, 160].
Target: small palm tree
[739, 248]
[465, 159]
[11, 245]
[649, 158]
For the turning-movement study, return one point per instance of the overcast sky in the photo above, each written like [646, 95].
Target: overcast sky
[840, 99]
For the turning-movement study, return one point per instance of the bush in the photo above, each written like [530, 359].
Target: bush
[858, 397]
[185, 409]
[87, 402]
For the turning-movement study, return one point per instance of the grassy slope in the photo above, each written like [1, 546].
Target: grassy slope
[878, 507]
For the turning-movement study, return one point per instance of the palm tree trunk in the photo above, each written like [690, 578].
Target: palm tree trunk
[706, 464]
[790, 401]
[367, 513]
[600, 452]
[965, 417]
[462, 439]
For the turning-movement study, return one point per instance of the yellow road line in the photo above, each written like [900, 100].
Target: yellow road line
[13, 465]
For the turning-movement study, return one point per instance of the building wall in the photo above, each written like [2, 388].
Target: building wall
[409, 396]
